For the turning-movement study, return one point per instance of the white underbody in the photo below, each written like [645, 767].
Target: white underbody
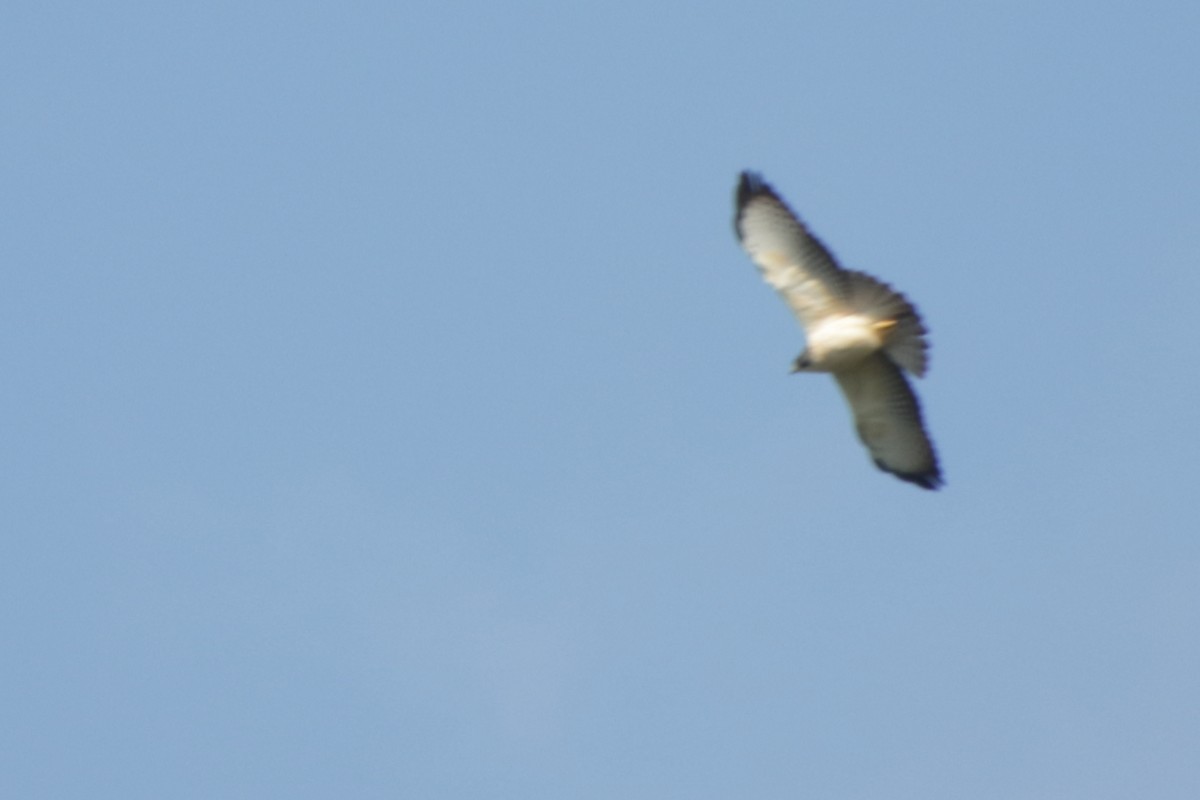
[841, 342]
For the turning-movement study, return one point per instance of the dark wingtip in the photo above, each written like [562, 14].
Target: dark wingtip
[931, 480]
[750, 185]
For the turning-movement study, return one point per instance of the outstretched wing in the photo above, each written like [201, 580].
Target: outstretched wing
[888, 419]
[790, 258]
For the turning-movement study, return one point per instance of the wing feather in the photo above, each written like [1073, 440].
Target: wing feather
[790, 258]
[887, 416]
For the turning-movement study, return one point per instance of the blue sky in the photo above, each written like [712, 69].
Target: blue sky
[390, 411]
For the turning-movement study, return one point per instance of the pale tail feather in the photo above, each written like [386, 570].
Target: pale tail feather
[905, 343]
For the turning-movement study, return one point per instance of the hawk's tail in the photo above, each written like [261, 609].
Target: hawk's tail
[904, 342]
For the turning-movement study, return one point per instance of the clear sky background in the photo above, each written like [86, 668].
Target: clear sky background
[389, 411]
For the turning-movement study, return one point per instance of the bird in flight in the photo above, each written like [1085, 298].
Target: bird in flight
[856, 327]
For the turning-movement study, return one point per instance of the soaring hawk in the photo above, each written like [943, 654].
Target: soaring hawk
[856, 327]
